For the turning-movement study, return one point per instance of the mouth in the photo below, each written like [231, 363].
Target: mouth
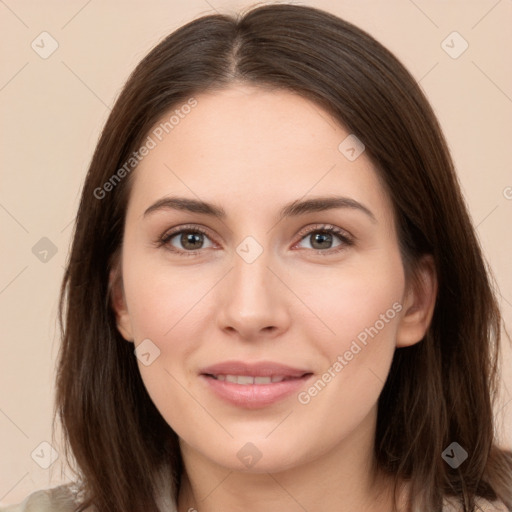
[245, 380]
[253, 385]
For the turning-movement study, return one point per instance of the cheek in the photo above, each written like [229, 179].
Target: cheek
[174, 306]
[169, 306]
[354, 299]
[349, 312]
[362, 306]
[162, 299]
[367, 308]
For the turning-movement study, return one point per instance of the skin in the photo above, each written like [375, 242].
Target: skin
[252, 150]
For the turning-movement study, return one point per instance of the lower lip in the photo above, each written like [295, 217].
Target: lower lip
[254, 396]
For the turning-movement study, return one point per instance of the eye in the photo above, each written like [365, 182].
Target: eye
[321, 238]
[190, 240]
[185, 241]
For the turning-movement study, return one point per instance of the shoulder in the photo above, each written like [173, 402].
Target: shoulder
[482, 505]
[68, 497]
[491, 506]
[57, 499]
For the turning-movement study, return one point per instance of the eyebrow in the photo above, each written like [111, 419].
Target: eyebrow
[293, 209]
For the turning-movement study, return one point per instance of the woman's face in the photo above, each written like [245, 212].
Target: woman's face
[261, 290]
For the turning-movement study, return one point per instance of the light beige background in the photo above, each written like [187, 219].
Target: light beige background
[53, 110]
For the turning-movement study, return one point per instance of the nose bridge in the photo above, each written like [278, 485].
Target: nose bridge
[250, 284]
[253, 302]
[251, 279]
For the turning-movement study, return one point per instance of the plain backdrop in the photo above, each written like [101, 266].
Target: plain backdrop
[53, 106]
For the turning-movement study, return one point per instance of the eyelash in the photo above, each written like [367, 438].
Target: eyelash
[344, 237]
[346, 240]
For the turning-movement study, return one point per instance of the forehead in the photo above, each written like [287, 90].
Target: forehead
[251, 148]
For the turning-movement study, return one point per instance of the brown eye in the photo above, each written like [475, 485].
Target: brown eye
[191, 240]
[322, 239]
[186, 242]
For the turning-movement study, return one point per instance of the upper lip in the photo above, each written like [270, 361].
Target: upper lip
[259, 369]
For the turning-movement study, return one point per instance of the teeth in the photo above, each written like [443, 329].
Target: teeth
[262, 380]
[242, 379]
[247, 379]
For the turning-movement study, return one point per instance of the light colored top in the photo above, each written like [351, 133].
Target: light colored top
[64, 499]
[57, 499]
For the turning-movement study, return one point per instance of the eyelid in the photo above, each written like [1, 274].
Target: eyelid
[346, 238]
[172, 232]
[325, 227]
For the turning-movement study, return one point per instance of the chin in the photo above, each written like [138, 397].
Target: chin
[257, 457]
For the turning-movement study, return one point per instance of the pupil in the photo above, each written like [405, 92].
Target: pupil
[319, 237]
[194, 239]
[189, 239]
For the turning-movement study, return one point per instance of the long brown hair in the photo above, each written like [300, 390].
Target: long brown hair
[439, 391]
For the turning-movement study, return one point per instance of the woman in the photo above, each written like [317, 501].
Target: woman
[275, 298]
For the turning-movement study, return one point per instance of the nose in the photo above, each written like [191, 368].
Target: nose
[253, 303]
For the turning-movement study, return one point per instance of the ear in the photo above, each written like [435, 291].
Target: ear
[118, 303]
[419, 302]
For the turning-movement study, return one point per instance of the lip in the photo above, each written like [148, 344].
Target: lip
[254, 396]
[260, 369]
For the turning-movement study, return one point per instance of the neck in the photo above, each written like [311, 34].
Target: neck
[342, 479]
